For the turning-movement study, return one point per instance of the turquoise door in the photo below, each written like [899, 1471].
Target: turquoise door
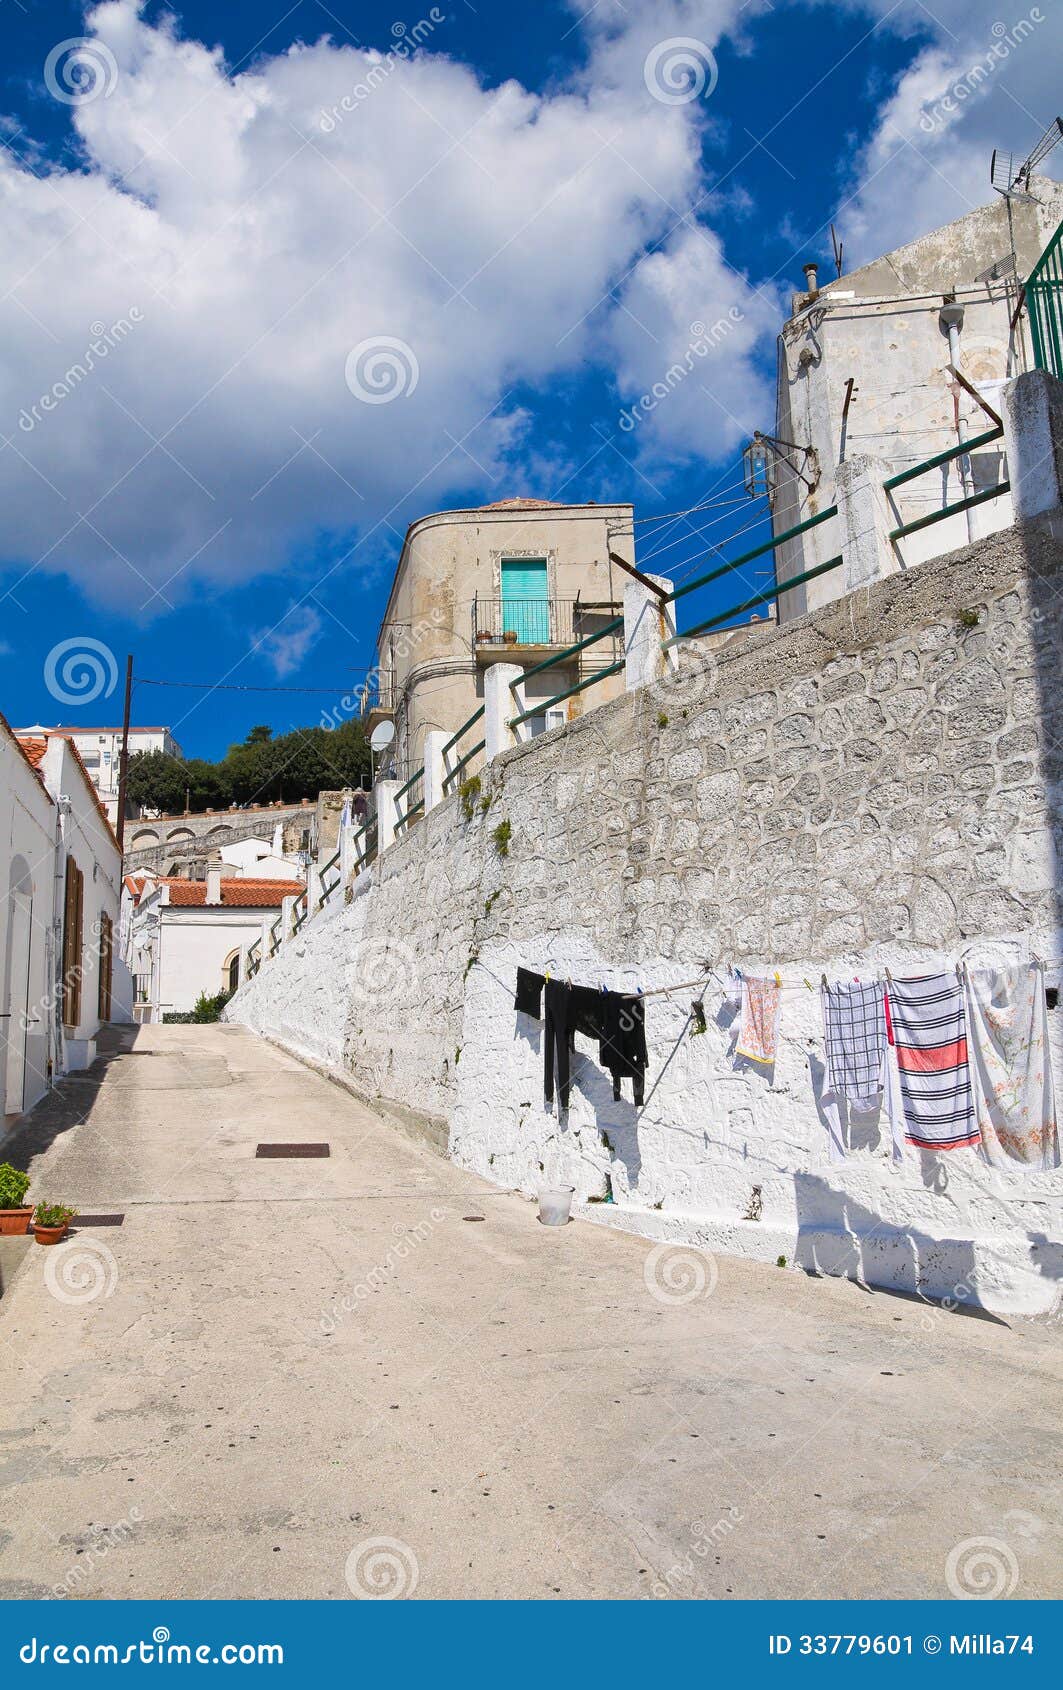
[525, 610]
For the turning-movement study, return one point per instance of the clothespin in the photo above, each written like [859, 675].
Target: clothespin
[889, 977]
[778, 978]
[823, 981]
[809, 984]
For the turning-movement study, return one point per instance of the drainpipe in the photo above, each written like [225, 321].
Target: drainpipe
[951, 320]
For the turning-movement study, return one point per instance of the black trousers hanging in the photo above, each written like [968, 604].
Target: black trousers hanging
[557, 1034]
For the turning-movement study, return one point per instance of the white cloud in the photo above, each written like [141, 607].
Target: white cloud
[989, 77]
[286, 645]
[255, 228]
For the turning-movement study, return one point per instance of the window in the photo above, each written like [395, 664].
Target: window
[232, 972]
[103, 1005]
[73, 904]
[525, 601]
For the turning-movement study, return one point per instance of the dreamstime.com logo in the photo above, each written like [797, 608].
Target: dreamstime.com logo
[679, 70]
[407, 1240]
[384, 971]
[981, 1569]
[704, 338]
[382, 1569]
[105, 340]
[937, 116]
[407, 39]
[679, 1273]
[159, 1650]
[80, 670]
[79, 70]
[381, 369]
[104, 1539]
[80, 1271]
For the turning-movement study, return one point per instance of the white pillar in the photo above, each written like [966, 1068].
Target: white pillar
[287, 907]
[434, 741]
[863, 524]
[647, 622]
[500, 706]
[1033, 436]
[267, 940]
[387, 813]
[314, 883]
[349, 853]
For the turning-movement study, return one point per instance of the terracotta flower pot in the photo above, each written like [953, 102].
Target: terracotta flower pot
[49, 1234]
[15, 1220]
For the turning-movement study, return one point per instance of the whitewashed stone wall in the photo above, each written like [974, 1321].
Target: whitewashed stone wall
[875, 785]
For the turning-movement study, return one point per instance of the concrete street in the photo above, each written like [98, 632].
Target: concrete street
[287, 1360]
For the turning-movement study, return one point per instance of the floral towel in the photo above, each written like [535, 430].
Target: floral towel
[1011, 1069]
[758, 1037]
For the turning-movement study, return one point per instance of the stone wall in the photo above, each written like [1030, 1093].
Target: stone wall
[874, 785]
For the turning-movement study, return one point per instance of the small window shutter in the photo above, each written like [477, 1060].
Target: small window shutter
[106, 952]
[70, 902]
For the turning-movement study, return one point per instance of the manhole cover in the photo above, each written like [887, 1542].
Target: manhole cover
[291, 1151]
[97, 1220]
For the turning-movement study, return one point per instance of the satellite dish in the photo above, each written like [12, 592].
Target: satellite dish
[382, 736]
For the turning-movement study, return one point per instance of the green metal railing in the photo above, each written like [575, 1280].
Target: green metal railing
[403, 817]
[327, 891]
[541, 705]
[950, 510]
[936, 462]
[765, 597]
[939, 458]
[1044, 301]
[769, 593]
[254, 962]
[452, 774]
[297, 919]
[274, 938]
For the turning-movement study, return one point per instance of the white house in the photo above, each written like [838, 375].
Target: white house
[184, 937]
[60, 879]
[100, 751]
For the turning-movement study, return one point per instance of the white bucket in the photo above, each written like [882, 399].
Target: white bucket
[555, 1204]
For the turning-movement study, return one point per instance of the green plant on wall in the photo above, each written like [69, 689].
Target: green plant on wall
[469, 792]
[501, 835]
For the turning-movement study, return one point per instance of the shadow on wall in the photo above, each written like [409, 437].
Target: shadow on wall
[837, 1235]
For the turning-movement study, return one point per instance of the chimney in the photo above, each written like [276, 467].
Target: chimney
[811, 271]
[214, 883]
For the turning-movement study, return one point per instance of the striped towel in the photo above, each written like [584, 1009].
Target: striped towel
[929, 1029]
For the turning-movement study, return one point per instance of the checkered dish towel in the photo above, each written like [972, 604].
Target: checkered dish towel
[854, 1032]
[930, 1035]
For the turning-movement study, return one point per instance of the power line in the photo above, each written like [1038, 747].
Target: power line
[230, 686]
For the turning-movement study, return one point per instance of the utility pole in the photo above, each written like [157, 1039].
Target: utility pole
[123, 758]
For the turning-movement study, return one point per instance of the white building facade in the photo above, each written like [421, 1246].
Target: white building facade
[100, 750]
[60, 879]
[892, 364]
[184, 938]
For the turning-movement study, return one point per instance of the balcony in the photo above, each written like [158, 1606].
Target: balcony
[533, 626]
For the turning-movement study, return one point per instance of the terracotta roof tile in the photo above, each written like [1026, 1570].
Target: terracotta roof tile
[522, 504]
[247, 894]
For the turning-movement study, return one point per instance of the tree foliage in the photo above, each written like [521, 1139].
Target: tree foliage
[295, 765]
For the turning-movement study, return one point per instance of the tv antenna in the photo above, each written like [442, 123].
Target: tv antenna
[839, 250]
[1015, 184]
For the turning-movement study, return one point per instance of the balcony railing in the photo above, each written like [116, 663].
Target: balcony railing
[533, 622]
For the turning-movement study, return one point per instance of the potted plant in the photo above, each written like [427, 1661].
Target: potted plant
[50, 1221]
[14, 1214]
[510, 636]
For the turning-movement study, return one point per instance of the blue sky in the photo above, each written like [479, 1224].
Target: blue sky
[533, 212]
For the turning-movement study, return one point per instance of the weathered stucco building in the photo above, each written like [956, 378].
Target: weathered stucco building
[864, 378]
[516, 580]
